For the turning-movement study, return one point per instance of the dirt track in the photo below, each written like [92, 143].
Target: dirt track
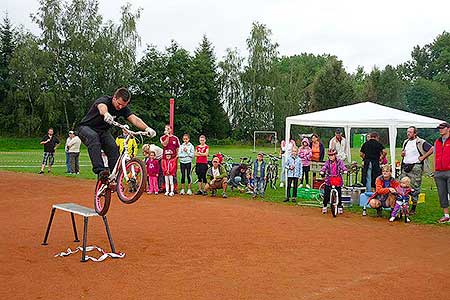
[211, 248]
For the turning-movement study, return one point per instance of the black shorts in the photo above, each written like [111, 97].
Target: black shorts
[200, 170]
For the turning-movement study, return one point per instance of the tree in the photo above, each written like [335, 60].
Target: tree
[258, 80]
[204, 92]
[7, 45]
[332, 87]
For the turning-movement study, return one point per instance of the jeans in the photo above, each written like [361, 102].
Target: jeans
[234, 182]
[68, 167]
[442, 179]
[259, 186]
[369, 177]
[95, 142]
[289, 184]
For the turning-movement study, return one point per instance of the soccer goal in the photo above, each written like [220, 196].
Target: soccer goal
[274, 139]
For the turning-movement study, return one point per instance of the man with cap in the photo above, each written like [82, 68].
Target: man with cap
[415, 152]
[442, 168]
[339, 144]
[73, 148]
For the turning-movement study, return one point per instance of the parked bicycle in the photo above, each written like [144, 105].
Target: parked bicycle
[272, 172]
[128, 177]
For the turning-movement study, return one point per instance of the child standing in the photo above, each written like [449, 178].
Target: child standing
[259, 175]
[403, 192]
[293, 166]
[169, 168]
[201, 164]
[333, 168]
[152, 172]
[305, 154]
[186, 154]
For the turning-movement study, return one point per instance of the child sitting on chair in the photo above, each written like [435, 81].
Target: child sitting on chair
[403, 191]
[333, 169]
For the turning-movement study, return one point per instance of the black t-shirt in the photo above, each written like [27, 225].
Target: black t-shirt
[372, 149]
[50, 146]
[93, 118]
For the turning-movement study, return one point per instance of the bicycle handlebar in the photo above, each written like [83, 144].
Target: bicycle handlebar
[127, 129]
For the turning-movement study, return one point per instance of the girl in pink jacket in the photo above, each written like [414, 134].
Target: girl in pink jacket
[305, 154]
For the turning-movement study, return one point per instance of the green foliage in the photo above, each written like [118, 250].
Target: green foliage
[332, 87]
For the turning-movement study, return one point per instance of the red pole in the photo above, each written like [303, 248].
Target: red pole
[172, 111]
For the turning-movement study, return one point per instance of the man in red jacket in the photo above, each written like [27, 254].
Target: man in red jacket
[442, 168]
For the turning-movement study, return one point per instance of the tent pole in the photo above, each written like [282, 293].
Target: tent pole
[347, 130]
[392, 144]
[287, 138]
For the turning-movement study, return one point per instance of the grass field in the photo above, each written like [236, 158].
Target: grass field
[25, 155]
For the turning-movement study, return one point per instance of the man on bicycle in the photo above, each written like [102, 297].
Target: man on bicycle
[94, 129]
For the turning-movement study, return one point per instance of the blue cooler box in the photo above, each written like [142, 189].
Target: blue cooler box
[364, 197]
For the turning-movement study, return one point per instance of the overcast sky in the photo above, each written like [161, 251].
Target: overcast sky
[358, 32]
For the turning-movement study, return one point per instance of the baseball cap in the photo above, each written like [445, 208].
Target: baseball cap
[443, 125]
[338, 130]
[71, 132]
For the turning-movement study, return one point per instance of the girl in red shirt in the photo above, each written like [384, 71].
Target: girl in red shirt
[169, 168]
[201, 166]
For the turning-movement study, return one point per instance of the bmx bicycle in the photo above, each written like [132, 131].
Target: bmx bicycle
[335, 181]
[128, 178]
[272, 172]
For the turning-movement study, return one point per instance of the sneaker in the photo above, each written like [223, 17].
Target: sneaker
[41, 172]
[301, 185]
[281, 184]
[182, 192]
[324, 210]
[340, 210]
[286, 200]
[379, 213]
[156, 193]
[213, 193]
[444, 219]
[49, 171]
[166, 194]
[171, 194]
[254, 196]
[199, 192]
[294, 200]
[224, 195]
[103, 175]
[148, 192]
[391, 219]
[407, 220]
[307, 186]
[189, 192]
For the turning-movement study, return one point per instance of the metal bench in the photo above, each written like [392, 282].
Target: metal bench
[86, 212]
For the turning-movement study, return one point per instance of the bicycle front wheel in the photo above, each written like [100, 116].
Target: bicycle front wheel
[334, 203]
[102, 198]
[129, 190]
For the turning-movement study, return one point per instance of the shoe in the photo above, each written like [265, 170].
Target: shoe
[412, 212]
[407, 220]
[213, 193]
[286, 200]
[156, 193]
[379, 213]
[171, 194]
[103, 176]
[182, 192]
[444, 219]
[281, 184]
[391, 219]
[49, 171]
[199, 192]
[224, 195]
[148, 193]
[253, 196]
[301, 185]
[41, 172]
[166, 194]
[307, 186]
[189, 192]
[324, 210]
[294, 200]
[340, 210]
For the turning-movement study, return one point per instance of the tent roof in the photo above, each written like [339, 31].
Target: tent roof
[363, 115]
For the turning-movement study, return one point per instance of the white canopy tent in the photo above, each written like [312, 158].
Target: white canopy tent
[363, 115]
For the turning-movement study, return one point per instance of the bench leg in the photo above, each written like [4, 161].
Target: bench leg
[74, 225]
[44, 243]
[111, 243]
[83, 255]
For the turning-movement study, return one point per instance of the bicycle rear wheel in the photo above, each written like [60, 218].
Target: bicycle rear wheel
[130, 190]
[334, 203]
[102, 198]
